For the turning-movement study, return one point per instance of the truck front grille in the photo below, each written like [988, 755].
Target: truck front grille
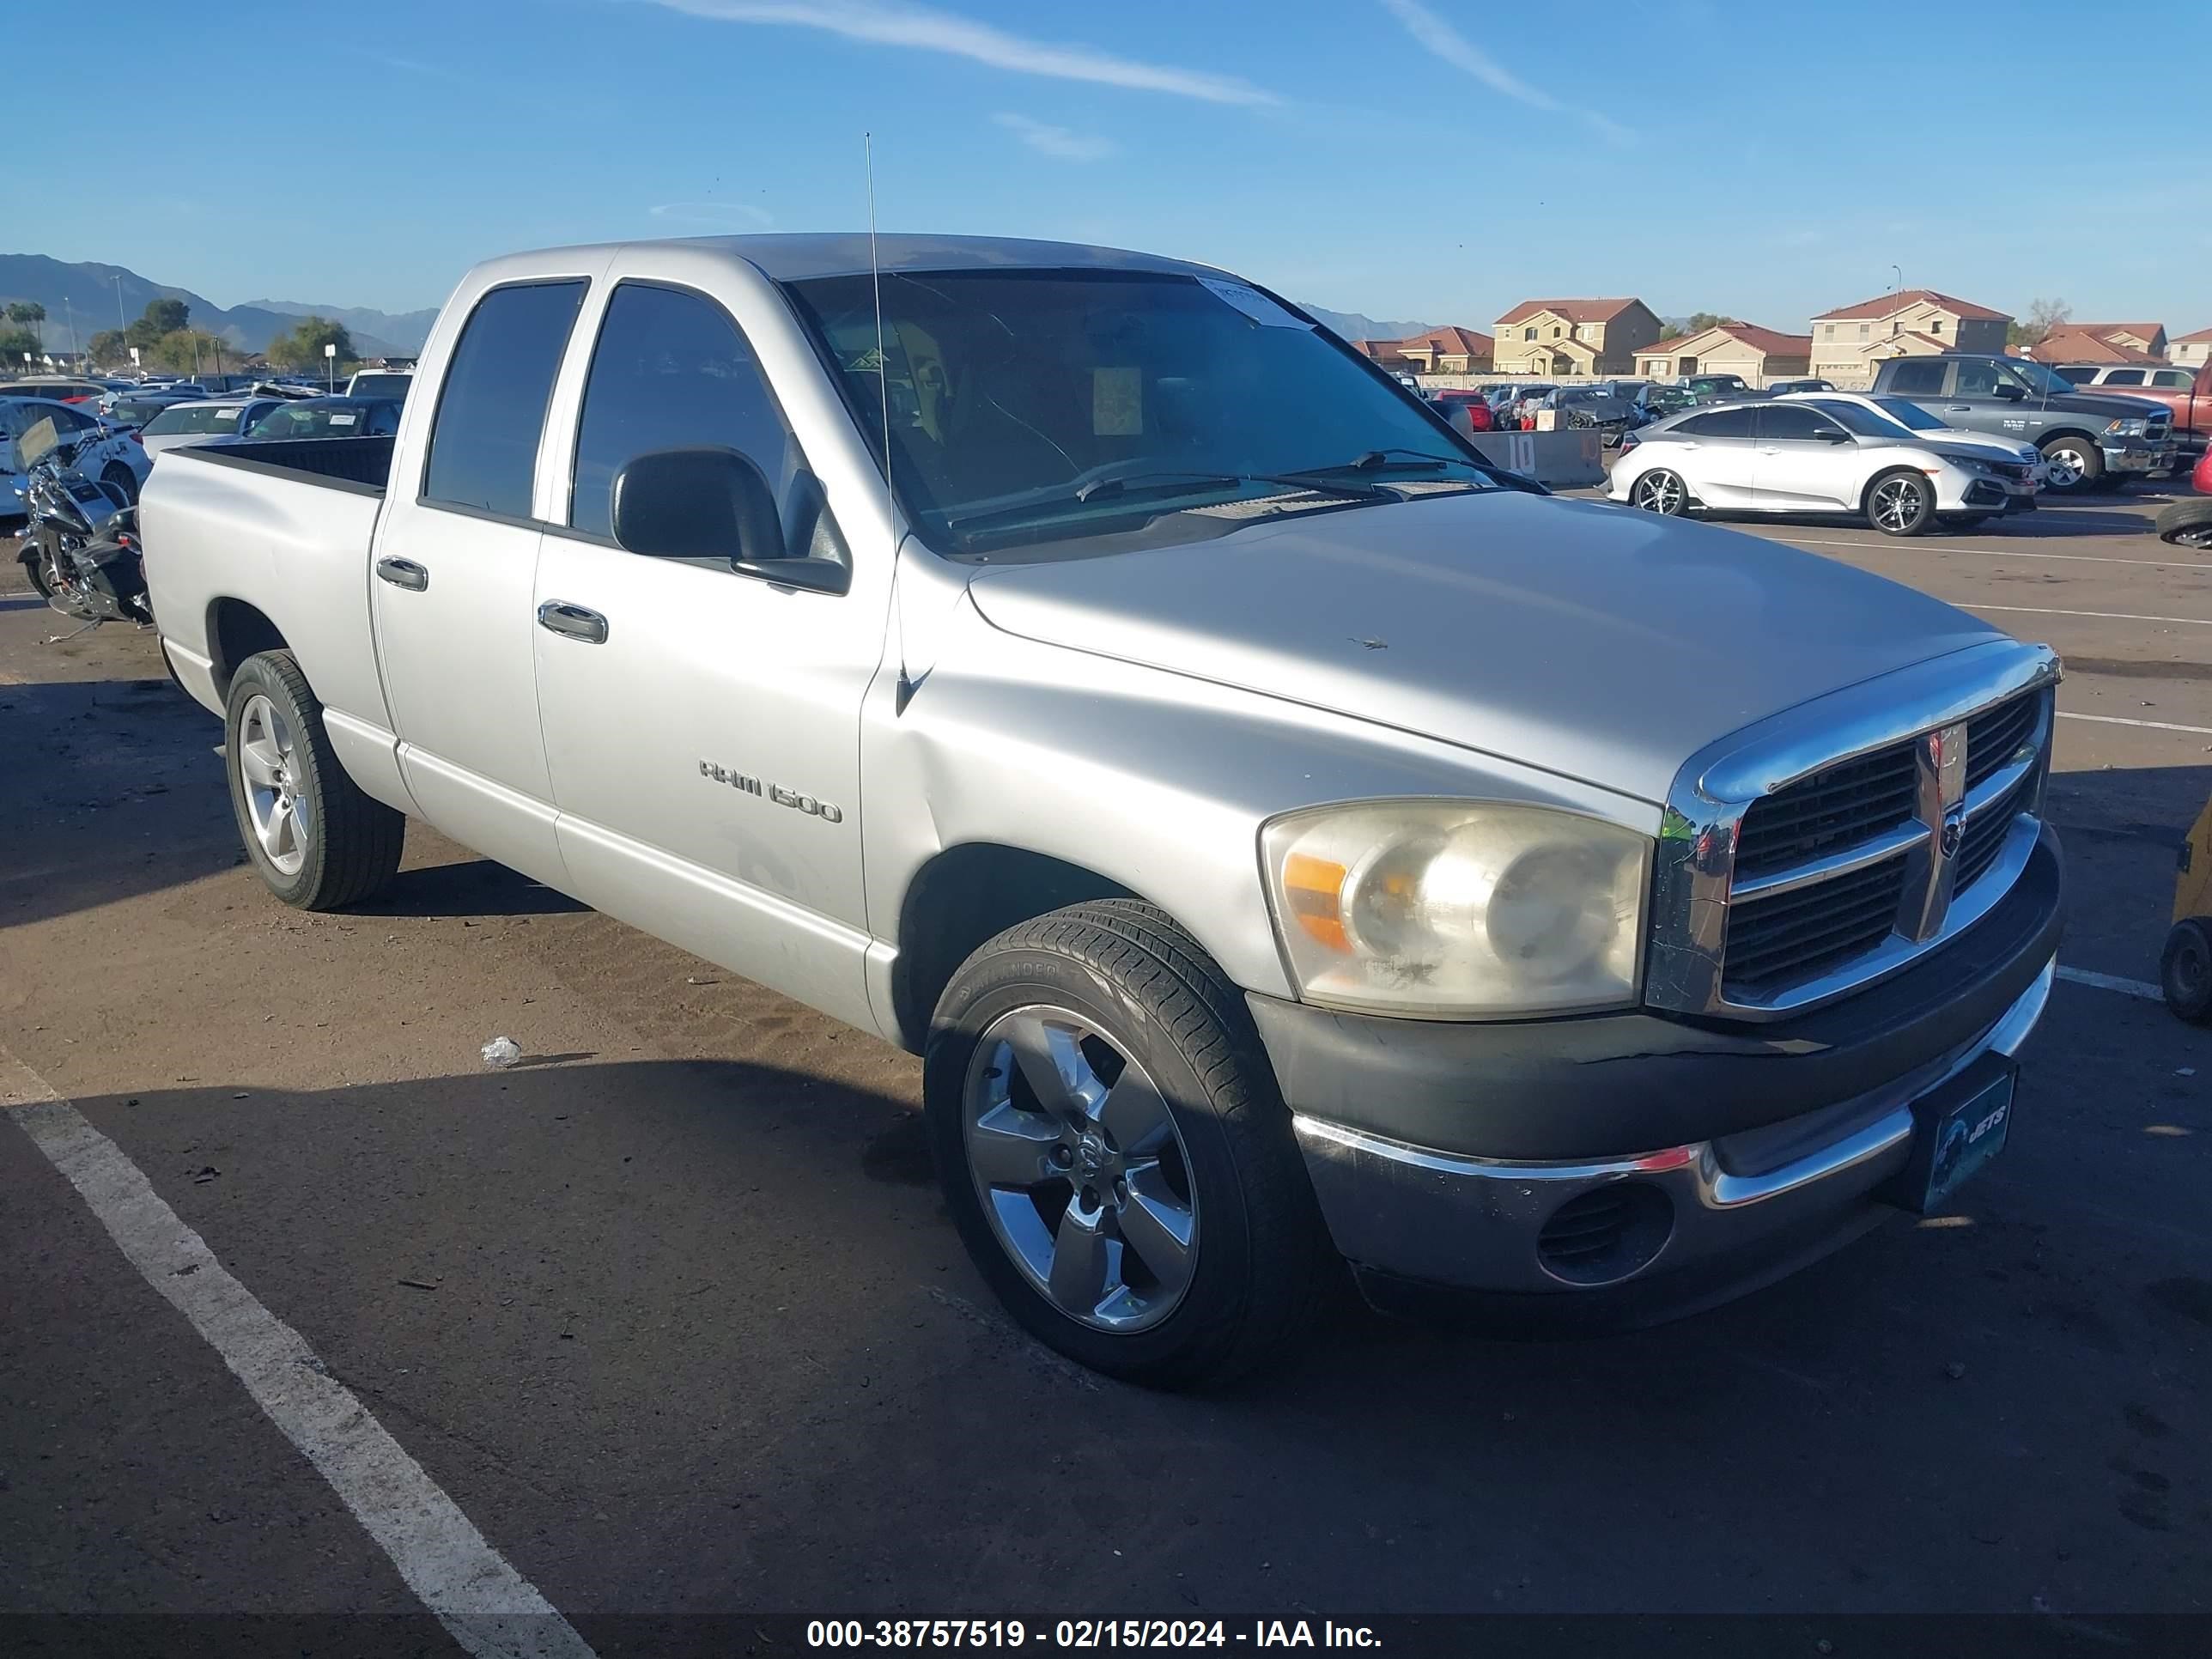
[1840, 865]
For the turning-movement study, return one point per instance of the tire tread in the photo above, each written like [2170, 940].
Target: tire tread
[362, 837]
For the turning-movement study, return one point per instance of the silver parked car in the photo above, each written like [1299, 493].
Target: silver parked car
[1287, 841]
[1801, 454]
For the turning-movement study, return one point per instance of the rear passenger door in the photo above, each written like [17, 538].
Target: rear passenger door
[1718, 456]
[702, 725]
[455, 566]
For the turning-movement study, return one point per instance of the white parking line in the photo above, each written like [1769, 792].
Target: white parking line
[2153, 726]
[2105, 615]
[1992, 553]
[491, 1609]
[2133, 988]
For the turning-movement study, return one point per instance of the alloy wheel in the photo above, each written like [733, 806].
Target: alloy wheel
[1081, 1170]
[2064, 466]
[1659, 492]
[1899, 503]
[269, 762]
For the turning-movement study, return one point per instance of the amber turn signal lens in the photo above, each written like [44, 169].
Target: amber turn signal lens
[1315, 888]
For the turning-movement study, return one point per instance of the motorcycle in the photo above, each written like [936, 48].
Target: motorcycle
[80, 544]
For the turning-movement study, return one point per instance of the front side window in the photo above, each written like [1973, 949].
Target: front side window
[1049, 406]
[1791, 423]
[671, 371]
[1858, 417]
[491, 409]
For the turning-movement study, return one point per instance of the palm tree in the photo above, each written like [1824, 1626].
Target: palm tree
[29, 313]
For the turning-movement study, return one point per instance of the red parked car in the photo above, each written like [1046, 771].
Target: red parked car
[1451, 402]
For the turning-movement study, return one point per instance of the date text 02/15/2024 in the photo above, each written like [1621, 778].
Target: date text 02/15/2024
[1072, 1635]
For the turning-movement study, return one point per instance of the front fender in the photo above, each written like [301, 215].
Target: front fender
[1158, 781]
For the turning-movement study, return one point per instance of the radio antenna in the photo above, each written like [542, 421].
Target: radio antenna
[883, 394]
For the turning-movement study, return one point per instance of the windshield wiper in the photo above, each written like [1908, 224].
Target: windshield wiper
[1380, 460]
[1135, 487]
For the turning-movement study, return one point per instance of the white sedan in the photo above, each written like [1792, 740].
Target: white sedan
[1788, 455]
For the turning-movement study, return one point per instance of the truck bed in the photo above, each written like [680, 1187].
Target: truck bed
[360, 464]
[246, 542]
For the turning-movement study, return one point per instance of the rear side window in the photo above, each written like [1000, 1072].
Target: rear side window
[193, 420]
[491, 410]
[671, 371]
[2124, 377]
[1721, 423]
[1910, 378]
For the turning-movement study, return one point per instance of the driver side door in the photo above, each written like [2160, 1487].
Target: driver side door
[1804, 459]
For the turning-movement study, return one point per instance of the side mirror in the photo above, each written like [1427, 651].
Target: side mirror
[710, 503]
[2009, 392]
[1834, 434]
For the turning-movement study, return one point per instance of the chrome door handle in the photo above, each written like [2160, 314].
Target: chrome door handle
[572, 621]
[404, 573]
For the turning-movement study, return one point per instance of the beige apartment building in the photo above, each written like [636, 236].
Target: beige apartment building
[1759, 355]
[1553, 337]
[1849, 342]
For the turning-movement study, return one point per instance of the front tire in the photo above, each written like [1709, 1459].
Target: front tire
[1114, 1152]
[124, 479]
[316, 840]
[1901, 502]
[2072, 464]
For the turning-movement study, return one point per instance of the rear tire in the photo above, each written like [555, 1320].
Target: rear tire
[1662, 491]
[2072, 464]
[1900, 502]
[1060, 1200]
[317, 842]
[2187, 524]
[2184, 970]
[124, 479]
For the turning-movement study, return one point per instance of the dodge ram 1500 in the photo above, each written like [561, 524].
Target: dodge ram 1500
[1287, 840]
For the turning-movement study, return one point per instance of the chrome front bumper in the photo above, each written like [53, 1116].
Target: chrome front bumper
[1450, 1220]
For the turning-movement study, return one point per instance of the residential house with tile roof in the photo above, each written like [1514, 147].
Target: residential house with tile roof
[2191, 350]
[2090, 343]
[1850, 340]
[1759, 355]
[1554, 337]
[1439, 351]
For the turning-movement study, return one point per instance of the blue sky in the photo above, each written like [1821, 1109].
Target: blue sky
[1429, 158]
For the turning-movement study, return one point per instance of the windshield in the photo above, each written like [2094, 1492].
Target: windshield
[382, 386]
[1031, 406]
[1907, 413]
[317, 419]
[1859, 419]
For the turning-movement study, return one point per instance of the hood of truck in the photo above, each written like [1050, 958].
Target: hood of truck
[2111, 404]
[1593, 641]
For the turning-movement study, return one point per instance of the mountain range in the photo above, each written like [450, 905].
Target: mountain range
[87, 295]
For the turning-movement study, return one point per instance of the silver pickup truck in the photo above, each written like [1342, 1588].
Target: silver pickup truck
[1287, 841]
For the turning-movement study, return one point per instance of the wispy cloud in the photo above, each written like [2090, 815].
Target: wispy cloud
[715, 216]
[1461, 53]
[1060, 142]
[896, 23]
[415, 66]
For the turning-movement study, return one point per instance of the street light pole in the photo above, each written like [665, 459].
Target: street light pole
[119, 320]
[1897, 280]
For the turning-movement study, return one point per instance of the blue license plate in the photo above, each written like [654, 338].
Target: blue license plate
[1957, 1131]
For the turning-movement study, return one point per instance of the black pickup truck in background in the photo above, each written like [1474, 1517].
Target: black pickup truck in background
[2088, 439]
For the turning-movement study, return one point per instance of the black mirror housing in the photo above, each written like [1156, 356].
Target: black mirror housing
[703, 503]
[2009, 392]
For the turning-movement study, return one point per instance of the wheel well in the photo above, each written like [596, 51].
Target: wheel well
[1866, 496]
[237, 630]
[2089, 438]
[968, 894]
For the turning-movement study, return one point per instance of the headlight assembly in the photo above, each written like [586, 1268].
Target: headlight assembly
[1458, 909]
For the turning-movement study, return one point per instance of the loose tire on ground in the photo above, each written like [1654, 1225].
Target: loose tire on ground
[2072, 464]
[2187, 524]
[1126, 974]
[1900, 502]
[2184, 970]
[347, 846]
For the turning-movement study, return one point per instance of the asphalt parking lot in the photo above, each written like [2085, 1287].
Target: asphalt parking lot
[672, 1315]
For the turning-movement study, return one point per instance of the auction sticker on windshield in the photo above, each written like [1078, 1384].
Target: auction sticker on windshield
[1253, 303]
